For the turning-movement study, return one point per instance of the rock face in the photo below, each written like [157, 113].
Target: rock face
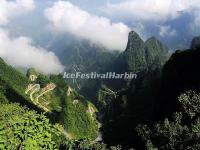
[134, 54]
[140, 55]
[155, 51]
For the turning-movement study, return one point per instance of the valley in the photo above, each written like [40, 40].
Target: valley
[116, 111]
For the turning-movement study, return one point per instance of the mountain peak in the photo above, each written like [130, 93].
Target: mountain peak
[155, 49]
[134, 40]
[131, 33]
[153, 41]
[134, 53]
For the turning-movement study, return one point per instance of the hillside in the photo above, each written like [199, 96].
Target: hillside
[177, 106]
[139, 57]
[155, 95]
[52, 94]
[180, 74]
[13, 84]
[49, 94]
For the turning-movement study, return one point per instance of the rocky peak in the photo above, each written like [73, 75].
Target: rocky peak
[134, 54]
[134, 41]
[156, 45]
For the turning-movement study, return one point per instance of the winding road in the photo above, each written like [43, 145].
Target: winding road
[34, 88]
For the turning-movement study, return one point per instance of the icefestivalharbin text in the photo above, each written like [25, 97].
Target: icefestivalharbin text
[95, 75]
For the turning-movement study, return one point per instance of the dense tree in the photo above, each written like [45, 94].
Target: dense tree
[43, 80]
[31, 71]
[77, 118]
[182, 132]
[21, 128]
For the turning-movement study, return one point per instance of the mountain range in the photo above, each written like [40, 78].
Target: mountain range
[108, 110]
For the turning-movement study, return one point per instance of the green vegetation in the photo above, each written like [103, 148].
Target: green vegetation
[12, 81]
[86, 58]
[134, 55]
[32, 71]
[154, 51]
[140, 55]
[80, 123]
[135, 101]
[77, 118]
[13, 77]
[3, 98]
[13, 85]
[42, 80]
[21, 128]
[149, 100]
[74, 109]
[180, 133]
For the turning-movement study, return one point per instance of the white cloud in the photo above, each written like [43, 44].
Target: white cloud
[167, 31]
[9, 9]
[65, 17]
[20, 52]
[195, 25]
[151, 10]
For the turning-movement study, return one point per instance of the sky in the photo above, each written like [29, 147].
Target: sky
[27, 27]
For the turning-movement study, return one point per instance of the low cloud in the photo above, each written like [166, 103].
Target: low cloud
[10, 9]
[195, 25]
[20, 52]
[66, 17]
[167, 31]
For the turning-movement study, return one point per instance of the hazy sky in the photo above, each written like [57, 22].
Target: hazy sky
[27, 26]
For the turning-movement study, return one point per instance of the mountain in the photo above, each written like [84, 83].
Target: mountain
[155, 51]
[86, 57]
[52, 95]
[177, 112]
[180, 74]
[141, 58]
[81, 56]
[136, 101]
[134, 55]
[56, 108]
[139, 55]
[155, 95]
